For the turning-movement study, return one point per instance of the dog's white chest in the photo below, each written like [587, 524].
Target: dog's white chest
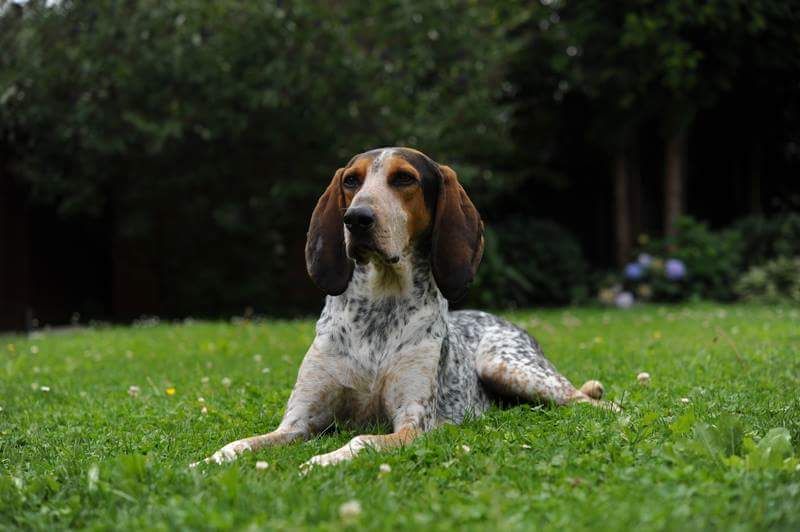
[376, 341]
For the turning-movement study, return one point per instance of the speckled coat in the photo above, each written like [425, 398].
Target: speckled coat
[373, 334]
[386, 346]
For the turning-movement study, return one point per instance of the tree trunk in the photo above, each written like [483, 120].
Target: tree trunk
[756, 167]
[15, 248]
[635, 192]
[622, 213]
[674, 179]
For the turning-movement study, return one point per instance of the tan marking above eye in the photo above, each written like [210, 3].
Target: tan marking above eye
[359, 167]
[402, 166]
[403, 178]
[356, 170]
[398, 169]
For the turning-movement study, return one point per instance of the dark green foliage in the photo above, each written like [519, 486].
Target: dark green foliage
[772, 282]
[713, 261]
[768, 238]
[716, 262]
[203, 132]
[629, 62]
[529, 262]
[246, 85]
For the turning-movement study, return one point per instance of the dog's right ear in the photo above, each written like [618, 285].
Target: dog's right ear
[326, 257]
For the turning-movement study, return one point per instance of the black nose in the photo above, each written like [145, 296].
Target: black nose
[359, 219]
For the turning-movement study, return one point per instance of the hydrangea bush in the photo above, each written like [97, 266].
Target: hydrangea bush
[753, 259]
[644, 279]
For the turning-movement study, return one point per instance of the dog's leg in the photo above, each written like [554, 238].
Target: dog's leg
[409, 398]
[377, 442]
[309, 411]
[511, 363]
[232, 450]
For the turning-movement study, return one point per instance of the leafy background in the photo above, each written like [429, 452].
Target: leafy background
[167, 153]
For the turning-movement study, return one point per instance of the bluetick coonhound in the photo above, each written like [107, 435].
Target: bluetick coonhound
[392, 239]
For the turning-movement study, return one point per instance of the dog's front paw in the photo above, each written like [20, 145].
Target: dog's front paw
[229, 453]
[324, 460]
[342, 454]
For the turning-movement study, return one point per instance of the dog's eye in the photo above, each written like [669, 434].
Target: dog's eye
[402, 179]
[350, 181]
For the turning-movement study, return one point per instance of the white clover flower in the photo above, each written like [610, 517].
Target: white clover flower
[350, 510]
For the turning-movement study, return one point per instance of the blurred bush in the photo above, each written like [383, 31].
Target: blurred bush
[700, 263]
[527, 262]
[768, 238]
[202, 133]
[775, 281]
[713, 259]
[199, 134]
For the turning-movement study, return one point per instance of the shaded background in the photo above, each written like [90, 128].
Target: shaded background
[163, 157]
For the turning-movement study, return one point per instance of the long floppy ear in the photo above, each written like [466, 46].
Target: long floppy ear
[457, 245]
[326, 258]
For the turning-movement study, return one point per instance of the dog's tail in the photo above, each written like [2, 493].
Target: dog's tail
[593, 389]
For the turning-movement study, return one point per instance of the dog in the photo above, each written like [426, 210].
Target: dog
[391, 241]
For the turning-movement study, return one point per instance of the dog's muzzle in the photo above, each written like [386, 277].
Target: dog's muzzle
[360, 222]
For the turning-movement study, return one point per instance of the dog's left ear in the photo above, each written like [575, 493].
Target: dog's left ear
[326, 258]
[457, 241]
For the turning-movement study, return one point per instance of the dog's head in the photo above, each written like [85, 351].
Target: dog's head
[387, 204]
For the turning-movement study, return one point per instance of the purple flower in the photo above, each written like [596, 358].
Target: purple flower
[634, 271]
[624, 300]
[645, 260]
[674, 269]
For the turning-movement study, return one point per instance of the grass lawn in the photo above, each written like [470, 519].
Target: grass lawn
[690, 451]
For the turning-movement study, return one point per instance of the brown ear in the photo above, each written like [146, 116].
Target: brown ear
[326, 258]
[457, 245]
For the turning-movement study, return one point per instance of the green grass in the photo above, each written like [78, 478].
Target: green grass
[86, 454]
